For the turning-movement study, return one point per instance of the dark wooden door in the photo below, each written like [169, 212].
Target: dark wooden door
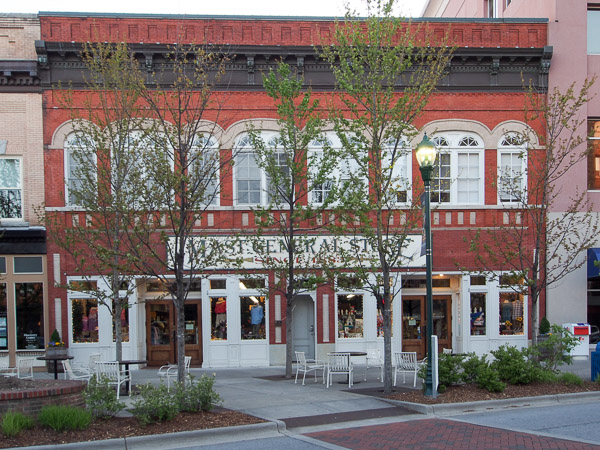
[414, 323]
[161, 336]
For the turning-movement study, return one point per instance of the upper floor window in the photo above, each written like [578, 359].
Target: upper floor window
[204, 168]
[249, 180]
[593, 30]
[511, 169]
[396, 159]
[458, 172]
[11, 188]
[80, 165]
[594, 154]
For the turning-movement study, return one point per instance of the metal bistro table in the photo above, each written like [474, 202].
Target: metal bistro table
[56, 359]
[351, 355]
[126, 363]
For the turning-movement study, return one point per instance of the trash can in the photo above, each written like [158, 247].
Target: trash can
[582, 332]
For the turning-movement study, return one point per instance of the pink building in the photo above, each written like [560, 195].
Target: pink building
[574, 32]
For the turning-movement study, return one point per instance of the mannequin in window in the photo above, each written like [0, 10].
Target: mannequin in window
[506, 310]
[220, 311]
[256, 317]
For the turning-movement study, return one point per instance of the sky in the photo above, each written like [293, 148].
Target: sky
[408, 8]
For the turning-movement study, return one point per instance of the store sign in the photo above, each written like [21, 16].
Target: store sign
[316, 251]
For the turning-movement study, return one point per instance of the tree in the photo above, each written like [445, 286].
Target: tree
[180, 174]
[542, 241]
[293, 172]
[101, 154]
[384, 79]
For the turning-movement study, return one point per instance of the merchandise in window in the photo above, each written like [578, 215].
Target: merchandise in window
[511, 313]
[218, 318]
[192, 335]
[350, 316]
[84, 316]
[478, 321]
[252, 309]
[160, 328]
[380, 331]
[124, 321]
[29, 300]
[594, 154]
[11, 206]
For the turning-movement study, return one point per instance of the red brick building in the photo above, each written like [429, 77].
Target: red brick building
[477, 104]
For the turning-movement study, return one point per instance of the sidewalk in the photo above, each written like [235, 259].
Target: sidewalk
[294, 409]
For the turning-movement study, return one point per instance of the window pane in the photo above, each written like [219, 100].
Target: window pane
[253, 317]
[84, 314]
[248, 179]
[160, 330]
[218, 318]
[191, 323]
[350, 316]
[594, 155]
[3, 318]
[440, 321]
[411, 319]
[28, 264]
[30, 315]
[124, 325]
[10, 188]
[2, 264]
[478, 314]
[218, 284]
[593, 32]
[511, 313]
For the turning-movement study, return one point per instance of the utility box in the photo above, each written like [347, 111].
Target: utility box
[582, 332]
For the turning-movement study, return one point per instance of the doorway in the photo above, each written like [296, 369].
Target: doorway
[414, 323]
[161, 332]
[303, 328]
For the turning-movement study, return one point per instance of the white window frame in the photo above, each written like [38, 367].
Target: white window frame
[514, 151]
[69, 145]
[401, 170]
[453, 146]
[210, 147]
[19, 187]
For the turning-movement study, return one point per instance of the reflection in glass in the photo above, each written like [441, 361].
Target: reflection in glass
[160, 328]
[30, 315]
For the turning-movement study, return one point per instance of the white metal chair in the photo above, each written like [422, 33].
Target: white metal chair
[90, 366]
[308, 365]
[25, 368]
[447, 351]
[5, 369]
[406, 362]
[169, 371]
[374, 360]
[339, 364]
[111, 372]
[75, 374]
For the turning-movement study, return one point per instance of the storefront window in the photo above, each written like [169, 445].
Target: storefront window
[84, 315]
[511, 313]
[380, 332]
[124, 324]
[218, 284]
[30, 315]
[440, 319]
[477, 314]
[350, 316]
[253, 317]
[191, 323]
[3, 323]
[160, 324]
[411, 319]
[218, 318]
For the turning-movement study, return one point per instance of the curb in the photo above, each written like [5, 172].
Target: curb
[447, 409]
[182, 439]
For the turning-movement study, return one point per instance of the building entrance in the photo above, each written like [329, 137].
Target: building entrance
[414, 323]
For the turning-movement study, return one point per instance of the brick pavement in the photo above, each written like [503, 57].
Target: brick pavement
[440, 434]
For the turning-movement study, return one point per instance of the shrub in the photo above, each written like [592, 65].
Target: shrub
[15, 422]
[544, 325]
[198, 395]
[155, 404]
[514, 366]
[556, 348]
[570, 378]
[62, 418]
[488, 378]
[449, 369]
[472, 367]
[101, 399]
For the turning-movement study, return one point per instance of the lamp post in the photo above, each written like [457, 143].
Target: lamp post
[426, 154]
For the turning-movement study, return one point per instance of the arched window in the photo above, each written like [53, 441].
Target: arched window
[458, 171]
[80, 167]
[511, 169]
[204, 168]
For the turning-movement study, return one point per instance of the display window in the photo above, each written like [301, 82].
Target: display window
[511, 313]
[84, 316]
[252, 312]
[30, 315]
[218, 318]
[3, 318]
[350, 316]
[478, 317]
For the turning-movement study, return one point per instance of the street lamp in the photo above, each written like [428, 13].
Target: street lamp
[426, 154]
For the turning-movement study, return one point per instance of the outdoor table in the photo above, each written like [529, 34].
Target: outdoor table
[55, 359]
[126, 363]
[351, 355]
